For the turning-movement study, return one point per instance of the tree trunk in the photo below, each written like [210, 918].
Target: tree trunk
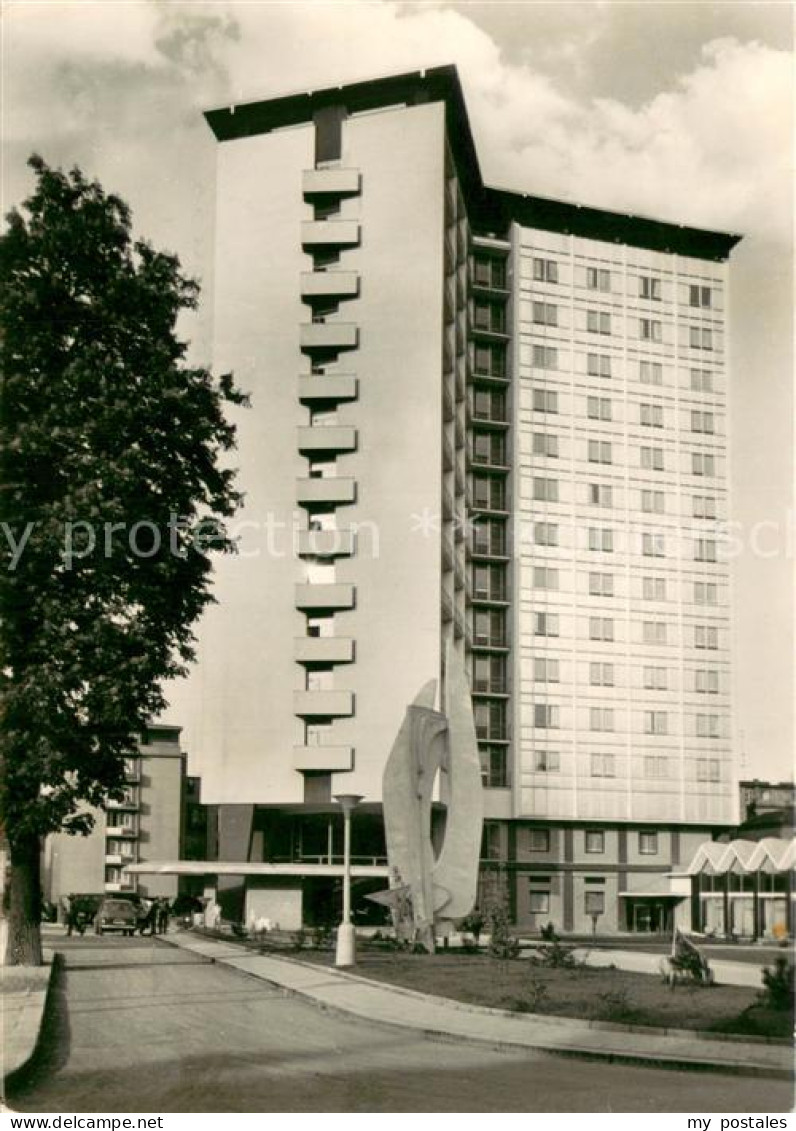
[23, 903]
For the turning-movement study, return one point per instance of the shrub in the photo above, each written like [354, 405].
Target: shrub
[299, 939]
[502, 944]
[778, 985]
[554, 953]
[472, 924]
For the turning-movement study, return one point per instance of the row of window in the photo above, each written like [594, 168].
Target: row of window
[599, 279]
[604, 765]
[706, 636]
[603, 719]
[601, 408]
[653, 545]
[602, 495]
[601, 365]
[602, 451]
[653, 677]
[539, 840]
[602, 322]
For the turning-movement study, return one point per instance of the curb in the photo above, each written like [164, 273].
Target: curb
[630, 1057]
[15, 1076]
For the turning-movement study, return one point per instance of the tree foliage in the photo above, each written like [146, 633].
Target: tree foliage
[114, 490]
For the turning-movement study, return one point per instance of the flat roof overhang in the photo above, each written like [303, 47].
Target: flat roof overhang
[491, 209]
[676, 896]
[242, 868]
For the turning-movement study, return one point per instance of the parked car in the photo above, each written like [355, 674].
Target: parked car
[116, 915]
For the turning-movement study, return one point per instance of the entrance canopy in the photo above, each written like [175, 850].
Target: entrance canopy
[243, 868]
[744, 856]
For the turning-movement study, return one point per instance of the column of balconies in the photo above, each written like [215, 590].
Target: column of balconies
[325, 339]
[489, 468]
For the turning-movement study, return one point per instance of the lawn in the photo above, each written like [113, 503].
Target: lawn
[593, 993]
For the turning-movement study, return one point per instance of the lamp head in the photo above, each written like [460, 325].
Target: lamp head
[348, 801]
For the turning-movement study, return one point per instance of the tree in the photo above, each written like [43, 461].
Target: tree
[114, 489]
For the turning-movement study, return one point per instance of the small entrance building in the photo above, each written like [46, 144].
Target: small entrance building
[744, 889]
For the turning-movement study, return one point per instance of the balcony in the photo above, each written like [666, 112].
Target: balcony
[323, 650]
[326, 543]
[323, 758]
[113, 858]
[120, 830]
[327, 438]
[337, 182]
[330, 233]
[329, 284]
[331, 596]
[323, 704]
[326, 491]
[328, 335]
[125, 803]
[329, 387]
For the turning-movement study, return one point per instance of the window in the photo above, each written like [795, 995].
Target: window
[598, 322]
[546, 762]
[653, 588]
[603, 766]
[652, 459]
[494, 766]
[601, 628]
[656, 722]
[704, 506]
[598, 365]
[601, 539]
[545, 670]
[539, 840]
[545, 490]
[545, 357]
[594, 902]
[489, 404]
[489, 537]
[545, 270]
[700, 338]
[652, 502]
[489, 316]
[545, 624]
[703, 464]
[544, 313]
[650, 372]
[649, 288]
[699, 296]
[707, 726]
[598, 279]
[490, 272]
[654, 679]
[489, 361]
[701, 381]
[320, 679]
[594, 841]
[489, 492]
[490, 719]
[598, 408]
[656, 767]
[708, 769]
[704, 550]
[601, 585]
[653, 631]
[649, 330]
[601, 718]
[489, 582]
[539, 902]
[545, 578]
[490, 841]
[545, 534]
[601, 675]
[489, 627]
[706, 636]
[545, 400]
[599, 451]
[601, 495]
[653, 545]
[318, 733]
[489, 448]
[706, 681]
[703, 422]
[648, 843]
[545, 444]
[545, 716]
[489, 673]
[322, 469]
[651, 415]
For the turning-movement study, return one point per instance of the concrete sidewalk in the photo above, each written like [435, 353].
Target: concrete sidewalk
[23, 1000]
[440, 1017]
[727, 973]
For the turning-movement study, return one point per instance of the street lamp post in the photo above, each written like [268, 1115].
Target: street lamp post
[345, 954]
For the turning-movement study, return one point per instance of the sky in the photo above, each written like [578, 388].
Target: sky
[682, 111]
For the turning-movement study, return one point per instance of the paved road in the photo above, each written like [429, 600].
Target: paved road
[142, 1027]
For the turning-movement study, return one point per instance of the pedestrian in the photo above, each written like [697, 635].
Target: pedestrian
[163, 917]
[148, 922]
